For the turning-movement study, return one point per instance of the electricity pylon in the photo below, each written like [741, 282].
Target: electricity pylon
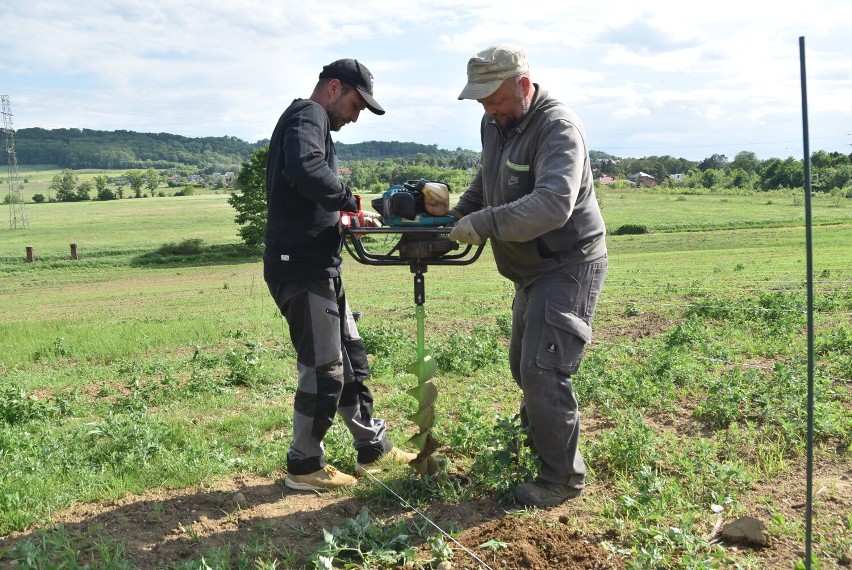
[17, 212]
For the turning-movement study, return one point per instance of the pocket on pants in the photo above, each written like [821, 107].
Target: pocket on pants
[564, 336]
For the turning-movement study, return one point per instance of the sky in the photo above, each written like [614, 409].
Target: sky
[654, 78]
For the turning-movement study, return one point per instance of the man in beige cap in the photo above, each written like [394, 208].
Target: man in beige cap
[534, 197]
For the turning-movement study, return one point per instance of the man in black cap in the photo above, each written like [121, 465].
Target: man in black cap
[301, 266]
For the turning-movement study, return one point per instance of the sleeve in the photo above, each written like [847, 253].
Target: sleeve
[306, 163]
[559, 162]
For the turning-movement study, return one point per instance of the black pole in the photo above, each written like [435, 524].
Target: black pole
[810, 272]
[419, 283]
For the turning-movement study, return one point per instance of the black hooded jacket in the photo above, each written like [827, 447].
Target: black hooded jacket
[304, 197]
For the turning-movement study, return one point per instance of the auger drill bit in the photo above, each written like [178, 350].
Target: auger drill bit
[424, 368]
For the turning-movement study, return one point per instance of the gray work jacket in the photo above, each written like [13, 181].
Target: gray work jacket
[534, 193]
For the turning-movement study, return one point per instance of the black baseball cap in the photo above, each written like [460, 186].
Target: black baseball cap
[357, 75]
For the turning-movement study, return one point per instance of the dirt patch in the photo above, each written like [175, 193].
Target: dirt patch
[162, 528]
[633, 327]
[831, 508]
[526, 544]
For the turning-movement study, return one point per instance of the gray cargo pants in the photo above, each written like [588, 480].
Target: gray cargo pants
[551, 325]
[332, 366]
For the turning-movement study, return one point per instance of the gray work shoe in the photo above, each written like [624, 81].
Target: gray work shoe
[541, 493]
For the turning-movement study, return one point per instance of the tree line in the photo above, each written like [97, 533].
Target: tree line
[65, 187]
[746, 172]
[116, 150]
[373, 164]
[830, 171]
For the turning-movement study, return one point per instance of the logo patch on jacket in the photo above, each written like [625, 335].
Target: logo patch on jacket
[513, 180]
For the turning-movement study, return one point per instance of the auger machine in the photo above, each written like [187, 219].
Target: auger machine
[417, 239]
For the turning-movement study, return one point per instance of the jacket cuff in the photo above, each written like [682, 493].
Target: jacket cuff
[480, 222]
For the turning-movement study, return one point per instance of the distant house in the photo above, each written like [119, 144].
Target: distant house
[676, 177]
[643, 179]
[343, 171]
[606, 179]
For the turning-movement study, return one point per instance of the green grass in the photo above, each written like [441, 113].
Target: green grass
[664, 211]
[119, 227]
[36, 179]
[158, 359]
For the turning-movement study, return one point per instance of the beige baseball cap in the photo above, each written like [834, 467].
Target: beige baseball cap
[487, 70]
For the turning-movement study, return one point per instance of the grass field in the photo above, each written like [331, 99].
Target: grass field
[158, 360]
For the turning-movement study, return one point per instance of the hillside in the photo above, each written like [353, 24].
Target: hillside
[118, 150]
[380, 150]
[86, 148]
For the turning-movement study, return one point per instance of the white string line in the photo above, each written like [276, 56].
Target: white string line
[672, 291]
[717, 360]
[747, 284]
[158, 303]
[716, 290]
[778, 280]
[428, 520]
[758, 286]
[745, 308]
[746, 275]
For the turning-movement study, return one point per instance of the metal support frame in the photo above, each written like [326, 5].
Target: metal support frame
[17, 211]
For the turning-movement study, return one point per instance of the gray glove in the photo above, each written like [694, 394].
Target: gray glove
[463, 232]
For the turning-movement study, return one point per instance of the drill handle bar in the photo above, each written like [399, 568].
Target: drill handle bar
[423, 238]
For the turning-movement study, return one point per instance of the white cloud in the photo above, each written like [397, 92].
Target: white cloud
[646, 79]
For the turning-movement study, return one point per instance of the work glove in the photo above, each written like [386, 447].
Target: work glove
[463, 232]
[372, 219]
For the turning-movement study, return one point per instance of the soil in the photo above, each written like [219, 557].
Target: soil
[162, 528]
